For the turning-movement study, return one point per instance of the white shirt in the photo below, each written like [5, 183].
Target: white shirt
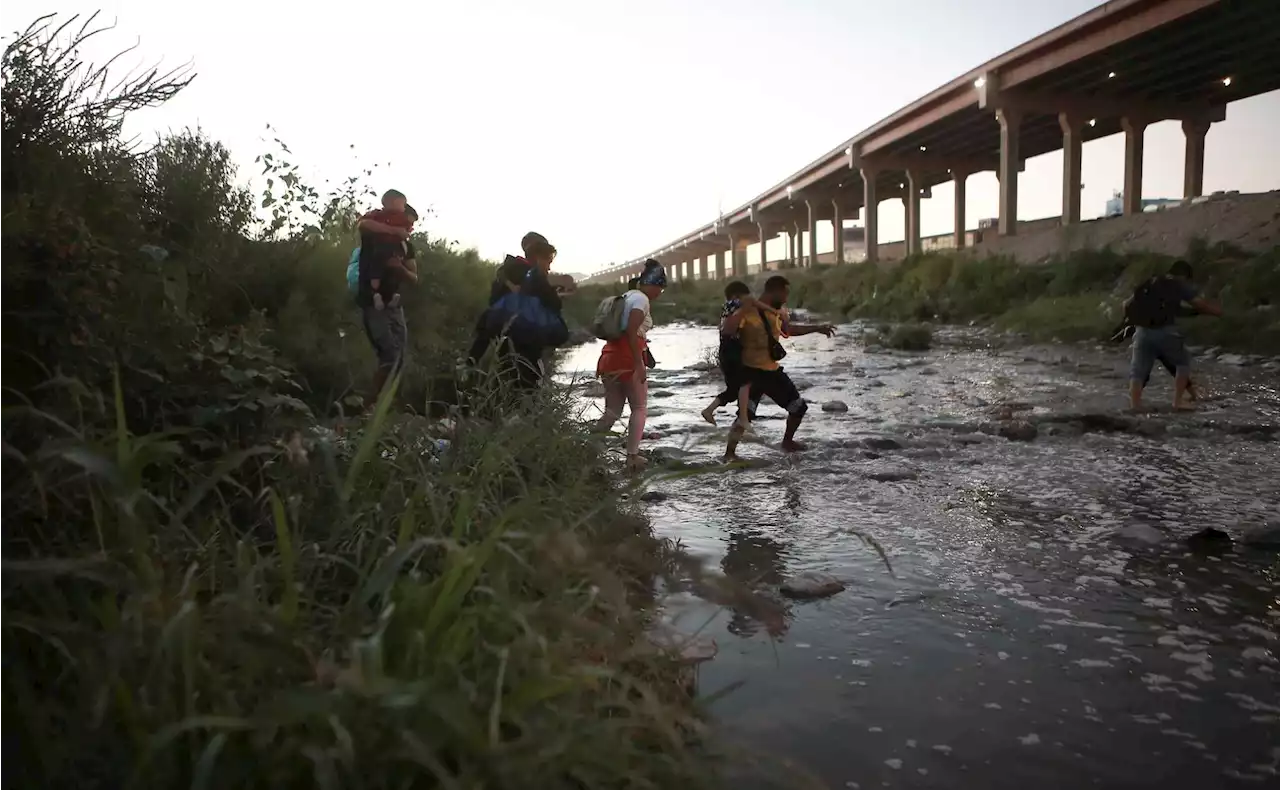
[636, 300]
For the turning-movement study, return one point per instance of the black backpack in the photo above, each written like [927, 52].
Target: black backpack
[1154, 304]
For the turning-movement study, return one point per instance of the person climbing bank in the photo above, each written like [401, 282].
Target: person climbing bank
[759, 334]
[382, 269]
[623, 366]
[518, 356]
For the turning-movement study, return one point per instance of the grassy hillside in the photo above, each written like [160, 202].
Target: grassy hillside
[204, 590]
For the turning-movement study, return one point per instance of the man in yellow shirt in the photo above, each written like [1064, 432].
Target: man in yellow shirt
[761, 351]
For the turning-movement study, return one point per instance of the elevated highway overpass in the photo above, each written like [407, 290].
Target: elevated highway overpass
[1113, 70]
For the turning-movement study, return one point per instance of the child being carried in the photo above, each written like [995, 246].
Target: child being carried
[737, 379]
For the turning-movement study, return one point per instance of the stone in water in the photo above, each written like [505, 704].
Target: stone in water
[835, 406]
[812, 585]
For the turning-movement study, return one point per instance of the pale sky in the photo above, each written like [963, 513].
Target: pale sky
[613, 127]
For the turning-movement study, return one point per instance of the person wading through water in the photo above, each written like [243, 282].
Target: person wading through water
[737, 302]
[519, 359]
[1152, 309]
[625, 360]
[761, 350]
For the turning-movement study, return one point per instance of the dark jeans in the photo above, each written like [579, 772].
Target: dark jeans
[387, 334]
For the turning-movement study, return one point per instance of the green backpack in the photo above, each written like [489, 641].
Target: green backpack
[610, 322]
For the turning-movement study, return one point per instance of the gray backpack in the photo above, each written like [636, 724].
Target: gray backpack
[610, 320]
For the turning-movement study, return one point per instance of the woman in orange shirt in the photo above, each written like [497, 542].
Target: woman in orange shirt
[622, 365]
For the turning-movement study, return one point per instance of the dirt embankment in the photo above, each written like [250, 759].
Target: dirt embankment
[1251, 222]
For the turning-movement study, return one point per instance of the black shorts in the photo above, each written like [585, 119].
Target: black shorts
[777, 386]
[735, 375]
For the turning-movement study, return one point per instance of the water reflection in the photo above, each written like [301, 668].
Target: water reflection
[755, 561]
[1044, 624]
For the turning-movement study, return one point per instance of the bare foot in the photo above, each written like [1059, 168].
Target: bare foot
[709, 414]
[1183, 407]
[730, 458]
[792, 446]
[636, 462]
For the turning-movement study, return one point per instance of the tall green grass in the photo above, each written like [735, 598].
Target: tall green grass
[206, 587]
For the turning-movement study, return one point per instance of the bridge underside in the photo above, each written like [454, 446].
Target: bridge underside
[1109, 73]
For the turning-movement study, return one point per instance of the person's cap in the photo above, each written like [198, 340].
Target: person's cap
[393, 194]
[411, 211]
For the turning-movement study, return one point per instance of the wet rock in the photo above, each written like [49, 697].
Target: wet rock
[952, 425]
[658, 395]
[1266, 536]
[1064, 430]
[882, 443]
[1140, 533]
[874, 349]
[704, 367]
[875, 383]
[926, 453]
[892, 474]
[1013, 430]
[1208, 539]
[1239, 360]
[654, 496]
[1018, 431]
[858, 373]
[928, 372]
[687, 648]
[811, 585]
[835, 406]
[1255, 430]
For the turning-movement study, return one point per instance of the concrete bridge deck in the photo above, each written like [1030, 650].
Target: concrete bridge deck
[1115, 69]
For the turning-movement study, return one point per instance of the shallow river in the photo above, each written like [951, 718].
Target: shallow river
[1041, 622]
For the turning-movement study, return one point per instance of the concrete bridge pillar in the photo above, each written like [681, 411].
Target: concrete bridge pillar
[764, 246]
[958, 178]
[1193, 175]
[797, 259]
[813, 233]
[720, 261]
[1072, 153]
[871, 213]
[915, 182]
[792, 244]
[1010, 121]
[702, 268]
[837, 229]
[737, 259]
[1134, 131]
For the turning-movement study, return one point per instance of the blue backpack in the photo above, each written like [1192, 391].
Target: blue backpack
[353, 272]
[524, 319]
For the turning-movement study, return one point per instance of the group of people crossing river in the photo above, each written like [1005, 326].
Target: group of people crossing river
[750, 356]
[523, 320]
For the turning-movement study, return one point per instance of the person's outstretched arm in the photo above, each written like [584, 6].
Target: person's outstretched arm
[1206, 306]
